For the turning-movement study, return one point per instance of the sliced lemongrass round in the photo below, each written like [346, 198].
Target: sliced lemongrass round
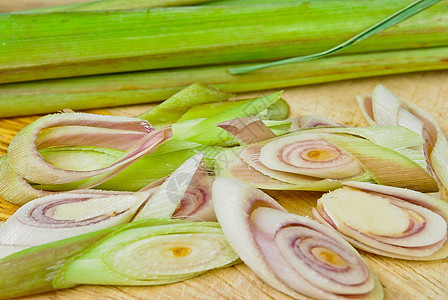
[253, 223]
[388, 221]
[60, 216]
[174, 254]
[153, 251]
[251, 156]
[28, 163]
[312, 250]
[309, 155]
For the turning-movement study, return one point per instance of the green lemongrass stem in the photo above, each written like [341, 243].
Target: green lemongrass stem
[44, 268]
[396, 18]
[116, 5]
[174, 107]
[50, 46]
[46, 96]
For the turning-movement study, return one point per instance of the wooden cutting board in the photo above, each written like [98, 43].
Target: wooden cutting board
[401, 279]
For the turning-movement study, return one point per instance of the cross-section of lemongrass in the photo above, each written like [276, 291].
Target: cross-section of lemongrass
[293, 254]
[153, 255]
[24, 165]
[60, 216]
[384, 161]
[147, 252]
[116, 5]
[174, 107]
[387, 221]
[384, 108]
[142, 87]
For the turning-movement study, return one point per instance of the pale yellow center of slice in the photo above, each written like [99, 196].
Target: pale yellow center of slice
[365, 212]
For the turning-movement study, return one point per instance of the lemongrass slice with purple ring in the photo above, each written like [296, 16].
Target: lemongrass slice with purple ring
[251, 156]
[309, 155]
[27, 162]
[387, 221]
[60, 216]
[229, 164]
[242, 210]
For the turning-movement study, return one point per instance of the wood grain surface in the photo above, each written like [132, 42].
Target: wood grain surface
[401, 279]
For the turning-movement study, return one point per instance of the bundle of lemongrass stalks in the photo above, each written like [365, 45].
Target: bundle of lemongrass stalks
[85, 55]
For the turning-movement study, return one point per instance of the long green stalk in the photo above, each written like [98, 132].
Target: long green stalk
[117, 5]
[142, 87]
[54, 45]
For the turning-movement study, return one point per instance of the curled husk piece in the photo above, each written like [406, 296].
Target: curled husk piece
[385, 108]
[311, 121]
[146, 252]
[247, 130]
[322, 158]
[185, 194]
[293, 254]
[24, 165]
[388, 221]
[56, 217]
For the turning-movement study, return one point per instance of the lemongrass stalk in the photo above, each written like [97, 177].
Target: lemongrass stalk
[49, 47]
[142, 87]
[116, 5]
[174, 107]
[395, 18]
[56, 265]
